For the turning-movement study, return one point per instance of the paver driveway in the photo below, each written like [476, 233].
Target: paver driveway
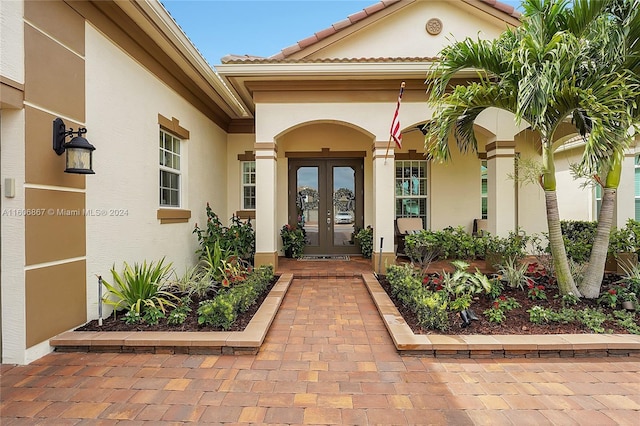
[327, 360]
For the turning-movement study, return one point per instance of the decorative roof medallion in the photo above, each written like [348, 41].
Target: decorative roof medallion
[434, 26]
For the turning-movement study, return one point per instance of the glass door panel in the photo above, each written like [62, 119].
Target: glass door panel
[344, 205]
[308, 202]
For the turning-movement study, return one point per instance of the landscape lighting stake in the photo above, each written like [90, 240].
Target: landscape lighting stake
[380, 257]
[100, 300]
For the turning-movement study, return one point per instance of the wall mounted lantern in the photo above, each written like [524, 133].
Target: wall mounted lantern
[79, 151]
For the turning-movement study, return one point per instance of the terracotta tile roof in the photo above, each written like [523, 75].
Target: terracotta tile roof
[339, 26]
[236, 59]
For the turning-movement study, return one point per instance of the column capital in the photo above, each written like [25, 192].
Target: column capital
[501, 149]
[379, 149]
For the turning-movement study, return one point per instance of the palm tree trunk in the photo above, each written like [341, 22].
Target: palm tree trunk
[592, 283]
[590, 286]
[566, 283]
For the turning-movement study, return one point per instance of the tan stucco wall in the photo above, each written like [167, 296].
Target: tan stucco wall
[387, 37]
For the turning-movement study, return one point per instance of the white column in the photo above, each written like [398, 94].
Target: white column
[266, 191]
[625, 196]
[501, 196]
[383, 206]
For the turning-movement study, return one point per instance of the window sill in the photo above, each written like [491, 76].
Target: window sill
[173, 215]
[246, 214]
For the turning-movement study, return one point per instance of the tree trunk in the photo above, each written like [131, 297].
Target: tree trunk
[592, 282]
[566, 284]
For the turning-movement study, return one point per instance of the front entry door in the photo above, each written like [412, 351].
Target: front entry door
[326, 199]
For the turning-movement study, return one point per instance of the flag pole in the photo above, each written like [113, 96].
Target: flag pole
[386, 154]
[395, 126]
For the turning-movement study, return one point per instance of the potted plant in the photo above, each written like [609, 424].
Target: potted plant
[364, 237]
[629, 301]
[293, 241]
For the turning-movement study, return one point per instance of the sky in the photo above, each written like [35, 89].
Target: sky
[258, 27]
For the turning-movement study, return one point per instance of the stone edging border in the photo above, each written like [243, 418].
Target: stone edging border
[193, 342]
[496, 346]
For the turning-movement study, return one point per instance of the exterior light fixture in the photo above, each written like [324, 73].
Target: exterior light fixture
[79, 151]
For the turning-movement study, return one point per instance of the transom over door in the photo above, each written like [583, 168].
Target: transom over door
[326, 199]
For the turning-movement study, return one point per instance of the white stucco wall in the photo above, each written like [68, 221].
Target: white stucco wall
[123, 103]
[12, 136]
[531, 202]
[574, 202]
[455, 188]
[12, 165]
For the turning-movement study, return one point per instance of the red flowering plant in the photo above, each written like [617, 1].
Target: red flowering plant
[609, 298]
[433, 282]
[497, 312]
[539, 273]
[536, 291]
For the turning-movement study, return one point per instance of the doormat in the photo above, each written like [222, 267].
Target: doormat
[324, 257]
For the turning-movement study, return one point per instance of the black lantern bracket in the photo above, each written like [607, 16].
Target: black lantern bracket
[79, 151]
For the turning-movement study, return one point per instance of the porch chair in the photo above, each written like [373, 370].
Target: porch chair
[406, 226]
[479, 227]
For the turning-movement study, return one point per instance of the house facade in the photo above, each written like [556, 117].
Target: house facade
[301, 138]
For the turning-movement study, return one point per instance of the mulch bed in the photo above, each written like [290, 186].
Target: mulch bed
[113, 323]
[517, 321]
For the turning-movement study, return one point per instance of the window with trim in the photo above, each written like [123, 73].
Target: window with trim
[170, 175]
[598, 199]
[248, 185]
[484, 197]
[411, 189]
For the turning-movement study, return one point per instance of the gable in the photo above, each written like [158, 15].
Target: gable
[400, 31]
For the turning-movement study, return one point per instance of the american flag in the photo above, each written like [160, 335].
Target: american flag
[396, 135]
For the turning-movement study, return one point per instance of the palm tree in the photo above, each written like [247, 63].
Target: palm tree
[545, 73]
[619, 35]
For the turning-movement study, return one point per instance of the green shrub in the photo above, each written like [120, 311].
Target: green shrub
[219, 312]
[578, 239]
[511, 248]
[403, 282]
[431, 308]
[456, 243]
[223, 309]
[238, 239]
[422, 248]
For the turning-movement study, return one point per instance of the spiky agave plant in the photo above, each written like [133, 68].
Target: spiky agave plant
[140, 287]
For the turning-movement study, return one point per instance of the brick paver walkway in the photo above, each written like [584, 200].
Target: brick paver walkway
[326, 360]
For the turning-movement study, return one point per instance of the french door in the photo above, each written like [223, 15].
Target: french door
[326, 199]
